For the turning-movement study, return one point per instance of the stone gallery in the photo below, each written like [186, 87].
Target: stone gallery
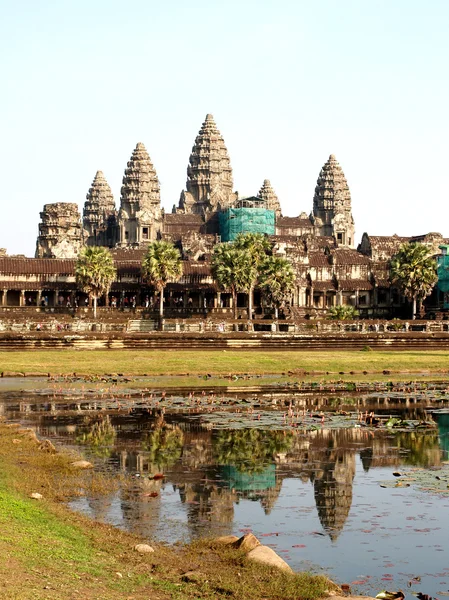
[329, 270]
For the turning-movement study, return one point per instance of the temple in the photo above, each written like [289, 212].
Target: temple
[320, 245]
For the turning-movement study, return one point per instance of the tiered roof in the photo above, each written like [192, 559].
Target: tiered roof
[268, 194]
[99, 203]
[332, 189]
[209, 174]
[140, 182]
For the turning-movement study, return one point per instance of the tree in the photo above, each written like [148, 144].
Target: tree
[277, 280]
[229, 267]
[161, 264]
[95, 271]
[414, 271]
[342, 312]
[257, 248]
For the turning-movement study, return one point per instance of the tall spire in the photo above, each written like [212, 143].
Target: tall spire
[140, 183]
[99, 213]
[209, 174]
[267, 193]
[100, 193]
[332, 204]
[140, 204]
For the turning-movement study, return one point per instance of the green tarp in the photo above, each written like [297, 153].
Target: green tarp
[245, 220]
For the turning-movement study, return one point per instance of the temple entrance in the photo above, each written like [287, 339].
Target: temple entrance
[13, 298]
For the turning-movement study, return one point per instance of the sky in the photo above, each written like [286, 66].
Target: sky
[289, 82]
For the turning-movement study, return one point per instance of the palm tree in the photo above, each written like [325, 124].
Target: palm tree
[258, 248]
[414, 270]
[277, 280]
[342, 312]
[95, 271]
[162, 263]
[229, 267]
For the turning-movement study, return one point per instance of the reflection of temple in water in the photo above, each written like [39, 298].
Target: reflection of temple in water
[210, 488]
[333, 490]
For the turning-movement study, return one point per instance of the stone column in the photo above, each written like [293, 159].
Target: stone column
[22, 299]
[340, 298]
[4, 297]
[55, 297]
[39, 298]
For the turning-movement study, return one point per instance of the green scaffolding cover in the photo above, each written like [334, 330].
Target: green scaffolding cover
[443, 270]
[245, 220]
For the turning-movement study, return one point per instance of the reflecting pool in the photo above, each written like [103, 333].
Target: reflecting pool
[310, 474]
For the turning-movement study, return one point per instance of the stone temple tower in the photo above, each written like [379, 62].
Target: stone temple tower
[209, 174]
[60, 233]
[140, 215]
[332, 204]
[100, 214]
[267, 193]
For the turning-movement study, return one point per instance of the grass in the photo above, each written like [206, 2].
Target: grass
[49, 553]
[200, 362]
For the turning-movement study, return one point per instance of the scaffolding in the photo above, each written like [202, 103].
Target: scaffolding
[443, 274]
[250, 215]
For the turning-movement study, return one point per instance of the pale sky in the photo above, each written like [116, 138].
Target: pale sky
[289, 82]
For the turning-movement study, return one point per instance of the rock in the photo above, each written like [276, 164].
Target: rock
[36, 496]
[82, 464]
[47, 446]
[143, 548]
[267, 556]
[29, 433]
[16, 441]
[247, 542]
[226, 539]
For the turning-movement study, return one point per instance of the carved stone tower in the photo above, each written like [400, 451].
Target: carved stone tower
[140, 214]
[209, 174]
[100, 214]
[267, 193]
[332, 204]
[60, 233]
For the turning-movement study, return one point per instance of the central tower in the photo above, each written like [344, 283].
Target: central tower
[209, 174]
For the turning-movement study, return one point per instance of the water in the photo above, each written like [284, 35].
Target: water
[315, 496]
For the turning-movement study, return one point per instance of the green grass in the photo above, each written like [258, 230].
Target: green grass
[200, 362]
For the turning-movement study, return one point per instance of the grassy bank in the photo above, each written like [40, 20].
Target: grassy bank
[49, 553]
[198, 362]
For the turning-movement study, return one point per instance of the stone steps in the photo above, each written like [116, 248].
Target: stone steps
[142, 325]
[192, 341]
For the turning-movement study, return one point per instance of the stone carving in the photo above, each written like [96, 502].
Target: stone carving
[209, 174]
[267, 193]
[140, 214]
[196, 246]
[60, 233]
[332, 204]
[99, 214]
